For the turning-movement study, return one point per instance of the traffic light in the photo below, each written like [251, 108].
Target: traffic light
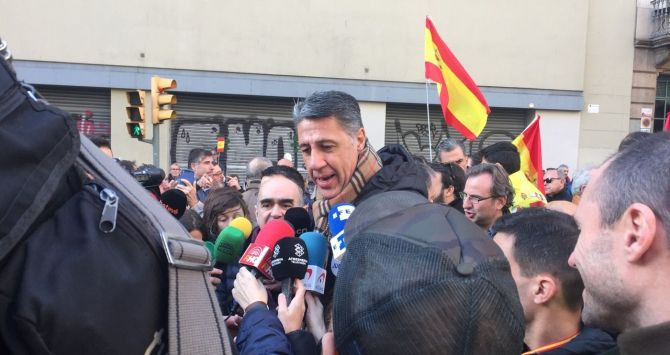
[135, 112]
[161, 101]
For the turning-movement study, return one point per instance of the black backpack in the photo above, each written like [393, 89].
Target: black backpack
[90, 263]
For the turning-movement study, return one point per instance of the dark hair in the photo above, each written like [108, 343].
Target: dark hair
[476, 158]
[196, 155]
[219, 200]
[287, 172]
[632, 138]
[100, 142]
[502, 187]
[450, 144]
[543, 242]
[505, 154]
[322, 104]
[639, 173]
[191, 221]
[128, 165]
[452, 175]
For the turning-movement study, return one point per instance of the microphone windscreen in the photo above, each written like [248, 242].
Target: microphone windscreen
[273, 231]
[317, 248]
[228, 245]
[242, 224]
[174, 202]
[338, 215]
[299, 219]
[289, 259]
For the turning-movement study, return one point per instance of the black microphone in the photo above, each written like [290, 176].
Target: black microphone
[289, 262]
[299, 219]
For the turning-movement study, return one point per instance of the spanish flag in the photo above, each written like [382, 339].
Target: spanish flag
[463, 105]
[529, 145]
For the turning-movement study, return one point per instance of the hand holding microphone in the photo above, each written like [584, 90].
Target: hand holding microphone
[291, 316]
[248, 289]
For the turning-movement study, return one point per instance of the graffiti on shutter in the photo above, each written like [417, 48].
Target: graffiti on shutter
[246, 138]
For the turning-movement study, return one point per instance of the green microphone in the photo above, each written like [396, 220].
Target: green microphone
[229, 243]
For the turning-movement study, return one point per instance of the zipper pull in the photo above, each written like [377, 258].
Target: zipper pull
[108, 218]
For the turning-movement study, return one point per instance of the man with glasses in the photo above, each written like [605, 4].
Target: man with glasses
[487, 195]
[554, 186]
[452, 151]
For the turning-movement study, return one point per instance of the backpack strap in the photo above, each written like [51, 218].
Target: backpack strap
[195, 323]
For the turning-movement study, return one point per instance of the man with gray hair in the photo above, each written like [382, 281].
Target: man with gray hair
[335, 149]
[555, 186]
[487, 195]
[579, 181]
[623, 250]
[250, 196]
[453, 151]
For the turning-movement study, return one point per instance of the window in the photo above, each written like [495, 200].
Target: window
[662, 106]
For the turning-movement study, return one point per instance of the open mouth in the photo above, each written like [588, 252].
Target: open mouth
[325, 182]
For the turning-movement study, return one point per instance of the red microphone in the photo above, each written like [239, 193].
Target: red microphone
[257, 256]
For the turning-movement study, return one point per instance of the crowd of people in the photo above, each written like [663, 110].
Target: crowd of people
[462, 255]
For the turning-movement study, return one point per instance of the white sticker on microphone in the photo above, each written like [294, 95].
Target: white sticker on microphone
[315, 279]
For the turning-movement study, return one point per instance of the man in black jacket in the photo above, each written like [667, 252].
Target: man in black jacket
[537, 243]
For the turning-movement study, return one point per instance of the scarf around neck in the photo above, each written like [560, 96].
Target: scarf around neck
[367, 166]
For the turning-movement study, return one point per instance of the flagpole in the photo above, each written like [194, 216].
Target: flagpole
[430, 139]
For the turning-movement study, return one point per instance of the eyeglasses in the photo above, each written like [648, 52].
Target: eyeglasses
[473, 198]
[549, 180]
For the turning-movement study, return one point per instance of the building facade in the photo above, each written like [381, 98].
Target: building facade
[240, 67]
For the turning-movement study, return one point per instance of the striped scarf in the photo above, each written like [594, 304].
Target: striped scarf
[368, 165]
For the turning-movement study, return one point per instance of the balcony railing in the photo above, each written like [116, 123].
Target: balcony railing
[660, 19]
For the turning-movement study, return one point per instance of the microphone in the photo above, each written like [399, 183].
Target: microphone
[317, 252]
[299, 219]
[289, 261]
[228, 245]
[257, 255]
[337, 218]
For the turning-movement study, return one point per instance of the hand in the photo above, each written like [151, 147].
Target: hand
[291, 316]
[214, 276]
[233, 324]
[314, 316]
[247, 289]
[189, 191]
[205, 182]
[328, 344]
[234, 183]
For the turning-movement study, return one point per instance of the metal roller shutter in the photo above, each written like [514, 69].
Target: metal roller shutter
[77, 101]
[252, 126]
[406, 124]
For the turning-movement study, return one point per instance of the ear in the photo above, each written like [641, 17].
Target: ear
[449, 191]
[544, 288]
[500, 202]
[360, 139]
[639, 223]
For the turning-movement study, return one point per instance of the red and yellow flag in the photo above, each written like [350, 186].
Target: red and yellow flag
[463, 105]
[529, 145]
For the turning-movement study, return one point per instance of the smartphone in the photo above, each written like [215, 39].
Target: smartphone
[188, 175]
